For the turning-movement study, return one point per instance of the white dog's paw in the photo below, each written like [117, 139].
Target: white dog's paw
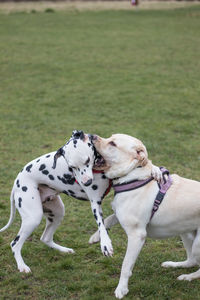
[157, 174]
[24, 268]
[179, 264]
[95, 238]
[120, 292]
[106, 247]
[187, 277]
[168, 264]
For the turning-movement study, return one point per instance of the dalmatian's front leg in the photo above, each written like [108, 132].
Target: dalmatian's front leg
[105, 241]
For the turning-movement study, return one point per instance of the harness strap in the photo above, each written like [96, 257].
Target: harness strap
[163, 188]
[131, 185]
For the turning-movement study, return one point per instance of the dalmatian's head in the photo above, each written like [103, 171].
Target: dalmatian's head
[79, 154]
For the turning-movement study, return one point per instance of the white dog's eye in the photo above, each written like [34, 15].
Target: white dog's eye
[112, 144]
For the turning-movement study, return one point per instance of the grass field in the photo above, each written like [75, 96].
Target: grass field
[134, 72]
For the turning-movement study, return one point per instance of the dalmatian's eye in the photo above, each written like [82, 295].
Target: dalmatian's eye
[72, 167]
[87, 161]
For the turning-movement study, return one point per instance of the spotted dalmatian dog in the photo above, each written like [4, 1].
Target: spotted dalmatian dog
[37, 188]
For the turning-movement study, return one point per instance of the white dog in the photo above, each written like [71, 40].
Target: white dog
[126, 162]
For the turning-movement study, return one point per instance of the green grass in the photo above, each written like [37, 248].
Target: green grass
[134, 72]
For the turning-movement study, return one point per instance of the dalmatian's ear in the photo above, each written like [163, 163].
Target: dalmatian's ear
[78, 134]
[59, 153]
[90, 137]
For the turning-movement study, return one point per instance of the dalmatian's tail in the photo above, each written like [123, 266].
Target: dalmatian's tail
[12, 212]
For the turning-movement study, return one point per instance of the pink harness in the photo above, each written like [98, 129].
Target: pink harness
[135, 184]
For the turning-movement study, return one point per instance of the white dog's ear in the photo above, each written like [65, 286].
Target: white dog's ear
[142, 155]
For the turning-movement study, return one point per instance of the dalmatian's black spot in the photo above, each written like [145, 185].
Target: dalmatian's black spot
[67, 176]
[89, 144]
[17, 183]
[47, 210]
[82, 191]
[66, 193]
[75, 142]
[105, 249]
[78, 169]
[32, 197]
[67, 179]
[70, 170]
[50, 219]
[24, 188]
[80, 198]
[28, 168]
[51, 177]
[71, 192]
[42, 167]
[94, 212]
[71, 181]
[48, 155]
[103, 176]
[51, 215]
[81, 173]
[37, 160]
[48, 199]
[45, 172]
[74, 146]
[84, 170]
[13, 252]
[22, 170]
[62, 179]
[99, 224]
[20, 202]
[15, 241]
[94, 187]
[99, 202]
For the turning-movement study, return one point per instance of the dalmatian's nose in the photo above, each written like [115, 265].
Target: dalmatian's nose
[87, 183]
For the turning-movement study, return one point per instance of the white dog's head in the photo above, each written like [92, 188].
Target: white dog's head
[80, 155]
[120, 153]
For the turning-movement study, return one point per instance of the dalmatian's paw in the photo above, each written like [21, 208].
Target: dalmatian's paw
[95, 238]
[120, 292]
[66, 250]
[24, 268]
[106, 247]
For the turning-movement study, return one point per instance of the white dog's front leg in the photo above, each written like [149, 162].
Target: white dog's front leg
[135, 242]
[106, 244]
[157, 174]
